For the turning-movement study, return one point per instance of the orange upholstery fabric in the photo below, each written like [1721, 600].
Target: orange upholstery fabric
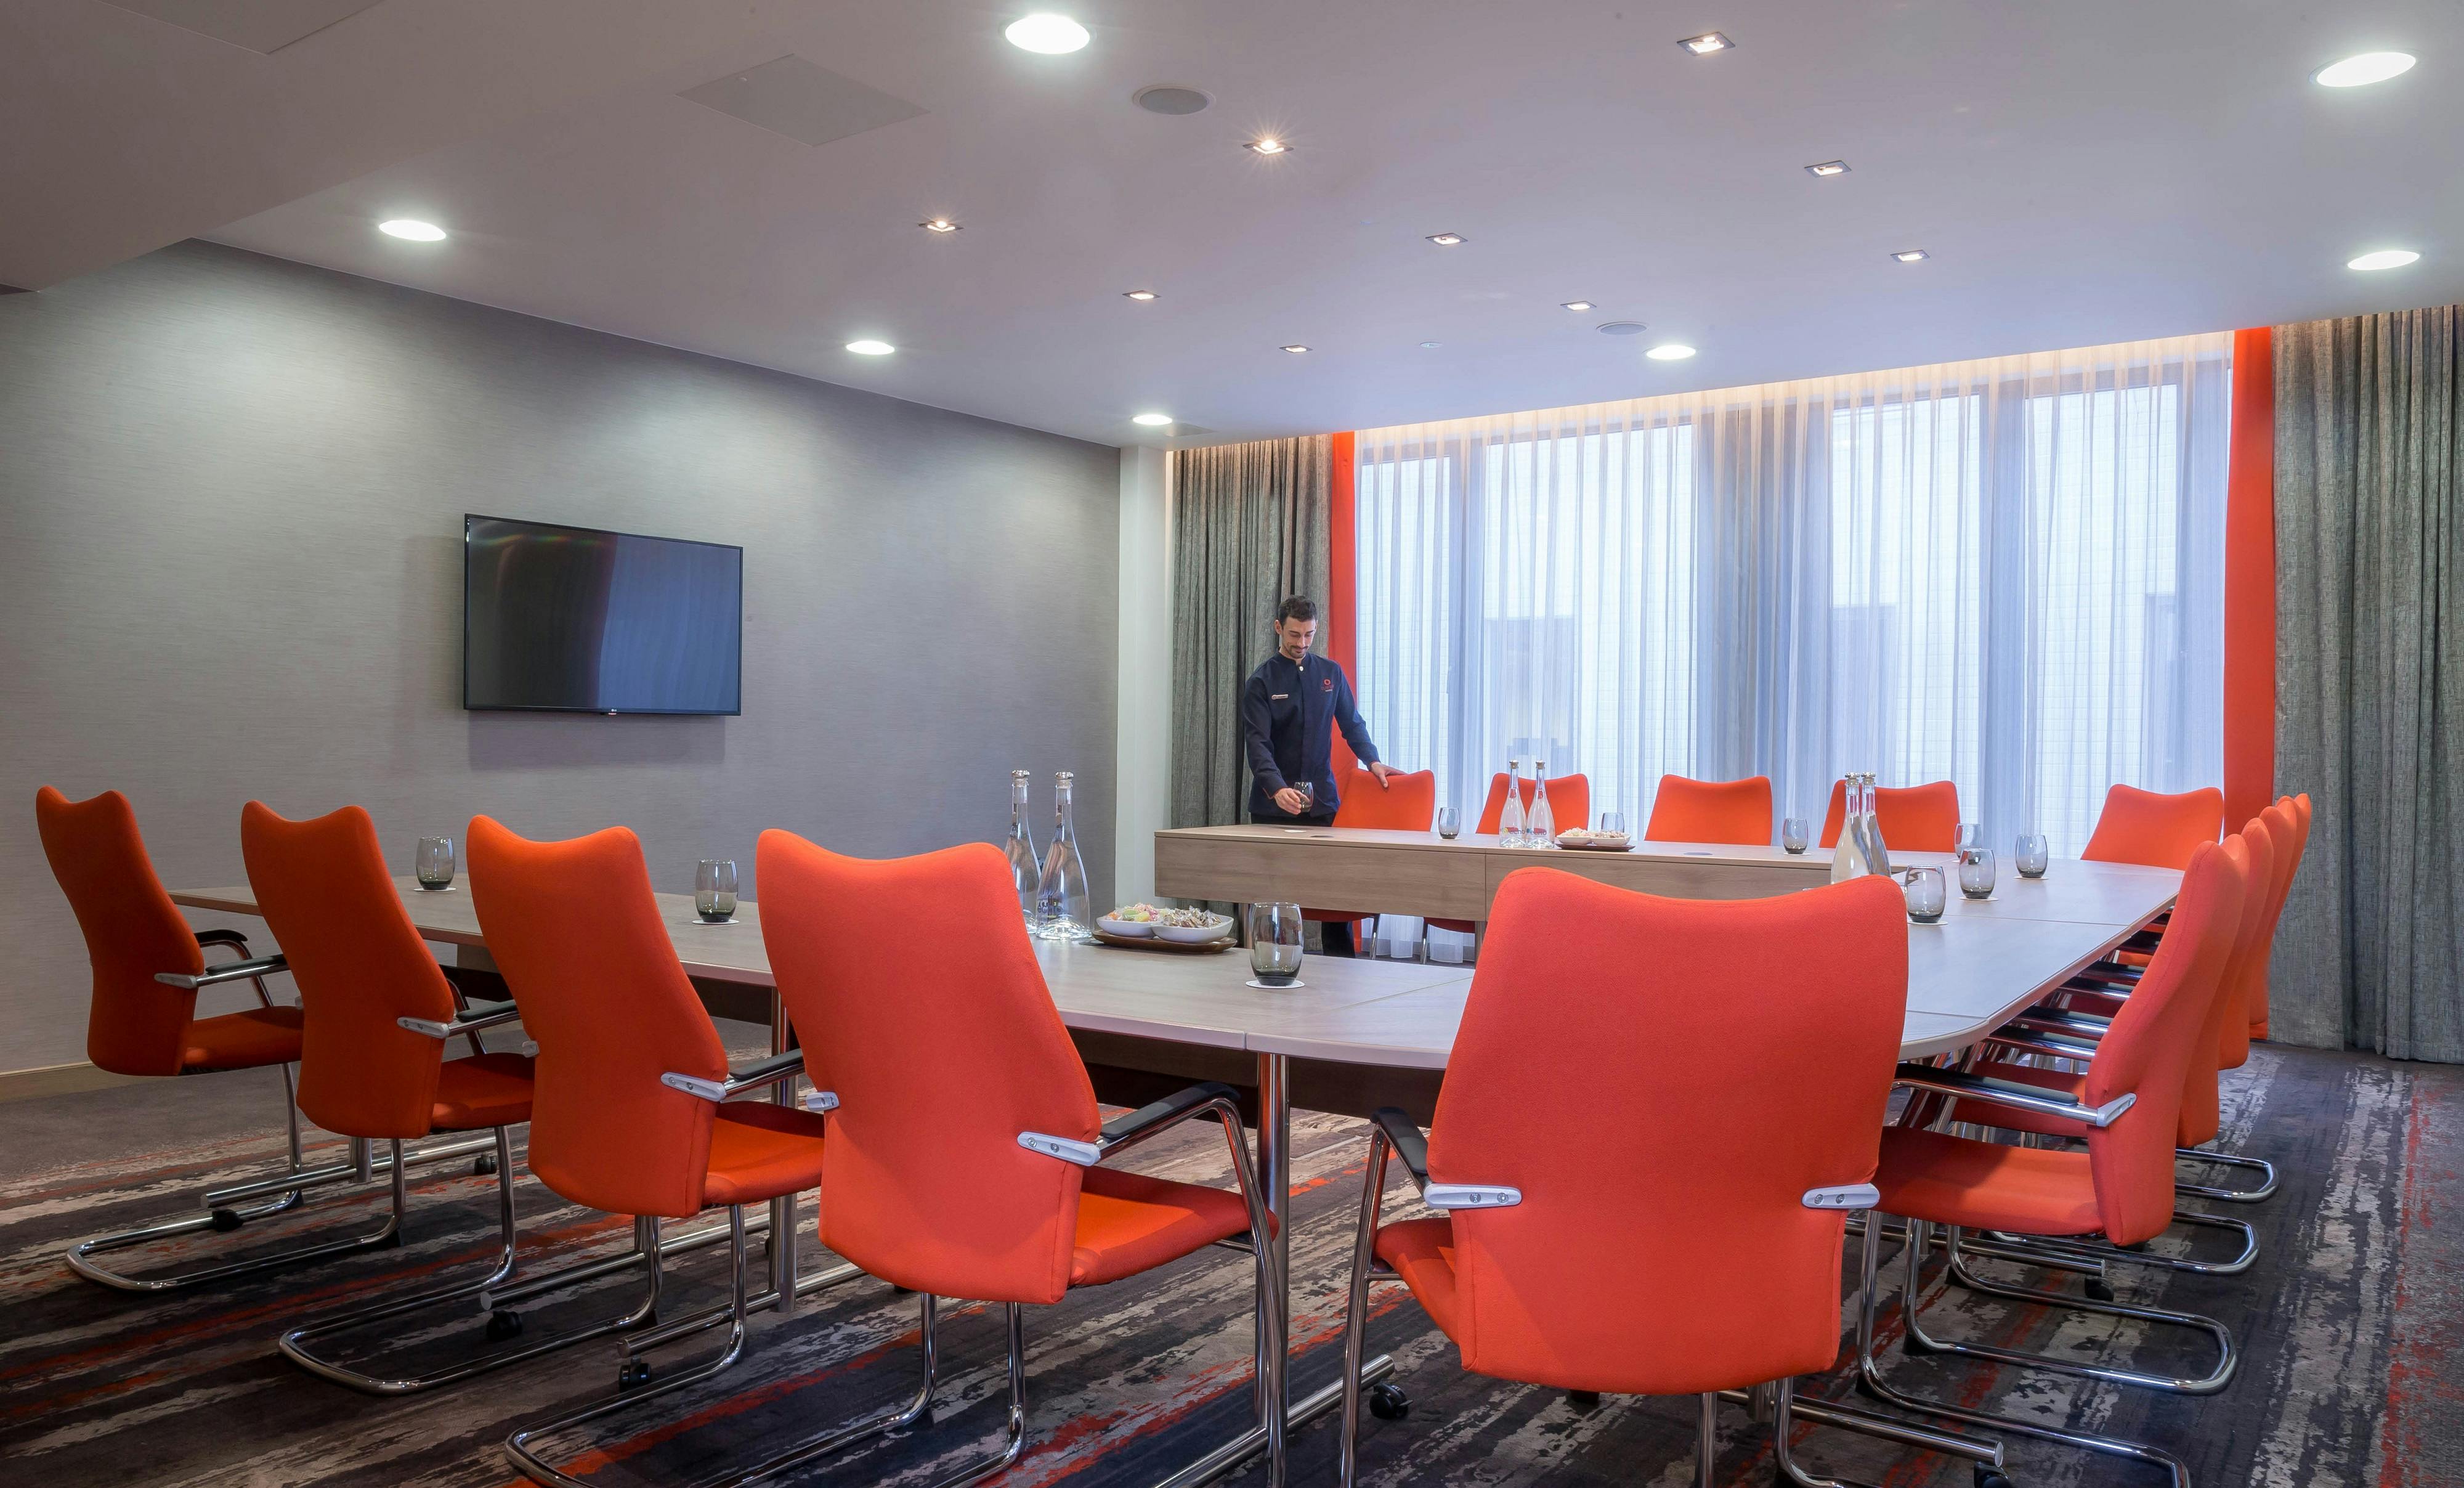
[2290, 819]
[2147, 826]
[1662, 1246]
[322, 887]
[1408, 803]
[1954, 1181]
[1129, 1223]
[1915, 818]
[480, 1091]
[760, 1151]
[1422, 1253]
[244, 1040]
[1711, 811]
[577, 935]
[1569, 800]
[134, 1024]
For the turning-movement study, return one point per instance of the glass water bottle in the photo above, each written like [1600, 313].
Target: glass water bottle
[1542, 827]
[1509, 817]
[1025, 869]
[1847, 852]
[1877, 857]
[1061, 908]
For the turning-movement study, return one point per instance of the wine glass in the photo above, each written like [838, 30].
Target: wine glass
[715, 891]
[434, 864]
[1275, 944]
[1450, 822]
[2031, 856]
[1925, 891]
[1794, 832]
[1976, 873]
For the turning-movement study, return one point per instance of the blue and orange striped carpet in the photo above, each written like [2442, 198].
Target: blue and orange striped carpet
[2352, 1321]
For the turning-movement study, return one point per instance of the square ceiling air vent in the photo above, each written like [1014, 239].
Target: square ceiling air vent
[794, 97]
[265, 25]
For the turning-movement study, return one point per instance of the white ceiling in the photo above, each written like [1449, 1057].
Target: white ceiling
[2089, 171]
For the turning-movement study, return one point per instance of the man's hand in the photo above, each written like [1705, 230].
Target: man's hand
[1290, 802]
[1377, 767]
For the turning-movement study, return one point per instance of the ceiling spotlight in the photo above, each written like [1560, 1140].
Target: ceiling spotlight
[1446, 239]
[1705, 44]
[1911, 255]
[1670, 351]
[2384, 258]
[1829, 167]
[939, 225]
[1046, 33]
[1150, 420]
[1268, 144]
[2360, 72]
[1576, 305]
[413, 229]
[1296, 350]
[1137, 294]
[870, 348]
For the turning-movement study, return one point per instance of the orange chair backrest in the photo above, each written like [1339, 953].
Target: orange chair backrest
[1569, 800]
[2149, 827]
[2148, 1048]
[1915, 818]
[1409, 802]
[1664, 1079]
[575, 932]
[940, 1054]
[134, 1024]
[2201, 1112]
[322, 887]
[2290, 818]
[1712, 811]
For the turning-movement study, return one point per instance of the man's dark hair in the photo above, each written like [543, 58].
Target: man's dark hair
[1297, 608]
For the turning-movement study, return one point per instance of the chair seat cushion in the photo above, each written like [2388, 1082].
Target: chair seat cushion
[242, 1041]
[482, 1091]
[1984, 1186]
[1422, 1253]
[1985, 1113]
[760, 1151]
[1129, 1223]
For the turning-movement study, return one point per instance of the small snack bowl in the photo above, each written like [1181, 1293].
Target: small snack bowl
[1204, 928]
[1131, 920]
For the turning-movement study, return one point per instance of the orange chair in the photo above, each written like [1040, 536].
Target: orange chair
[1569, 804]
[2120, 1189]
[1408, 803]
[1621, 1212]
[147, 967]
[2147, 826]
[630, 1107]
[1712, 811]
[965, 1153]
[2299, 809]
[1915, 818]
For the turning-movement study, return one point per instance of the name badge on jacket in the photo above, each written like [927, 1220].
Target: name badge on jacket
[1281, 698]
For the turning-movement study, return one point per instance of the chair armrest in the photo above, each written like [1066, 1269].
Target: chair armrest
[1411, 1145]
[1135, 1126]
[470, 1020]
[753, 1076]
[228, 972]
[219, 937]
[1966, 1086]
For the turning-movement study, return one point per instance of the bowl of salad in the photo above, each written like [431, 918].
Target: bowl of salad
[1132, 920]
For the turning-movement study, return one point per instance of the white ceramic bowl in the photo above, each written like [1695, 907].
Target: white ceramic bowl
[1195, 935]
[1132, 928]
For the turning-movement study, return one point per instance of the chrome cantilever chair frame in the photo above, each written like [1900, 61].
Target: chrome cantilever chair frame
[2108, 980]
[230, 1207]
[1393, 1133]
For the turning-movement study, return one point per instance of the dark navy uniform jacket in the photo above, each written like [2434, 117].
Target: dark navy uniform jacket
[1288, 713]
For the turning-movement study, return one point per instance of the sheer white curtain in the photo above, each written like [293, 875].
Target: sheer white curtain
[2005, 573]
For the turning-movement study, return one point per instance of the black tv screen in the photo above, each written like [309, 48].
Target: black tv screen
[576, 620]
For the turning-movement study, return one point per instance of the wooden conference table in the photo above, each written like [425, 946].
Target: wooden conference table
[1363, 1034]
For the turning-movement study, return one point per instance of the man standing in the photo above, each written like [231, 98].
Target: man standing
[1288, 713]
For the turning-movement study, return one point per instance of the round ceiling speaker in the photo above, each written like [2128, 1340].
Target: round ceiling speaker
[1170, 98]
[1624, 329]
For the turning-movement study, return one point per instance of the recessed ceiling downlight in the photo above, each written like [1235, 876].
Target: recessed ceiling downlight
[2360, 72]
[1911, 255]
[1268, 145]
[412, 229]
[1575, 304]
[1166, 97]
[1670, 351]
[2384, 258]
[1150, 420]
[870, 348]
[1708, 42]
[1046, 33]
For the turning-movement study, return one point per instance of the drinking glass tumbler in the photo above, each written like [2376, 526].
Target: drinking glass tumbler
[1793, 834]
[1970, 834]
[1925, 890]
[1613, 823]
[1976, 873]
[1450, 822]
[2031, 856]
[715, 891]
[1309, 795]
[1275, 944]
[435, 863]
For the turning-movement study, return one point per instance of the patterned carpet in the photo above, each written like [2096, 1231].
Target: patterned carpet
[2352, 1321]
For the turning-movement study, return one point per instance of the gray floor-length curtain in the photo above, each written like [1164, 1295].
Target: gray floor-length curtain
[1250, 524]
[2369, 594]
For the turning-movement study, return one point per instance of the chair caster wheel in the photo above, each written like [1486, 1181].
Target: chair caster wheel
[1990, 1477]
[227, 1220]
[1387, 1401]
[1583, 1399]
[632, 1372]
[2100, 1289]
[483, 1165]
[503, 1323]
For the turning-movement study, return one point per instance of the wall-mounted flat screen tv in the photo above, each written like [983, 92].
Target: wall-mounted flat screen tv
[576, 620]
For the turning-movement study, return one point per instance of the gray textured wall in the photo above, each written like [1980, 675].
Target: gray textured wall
[230, 501]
